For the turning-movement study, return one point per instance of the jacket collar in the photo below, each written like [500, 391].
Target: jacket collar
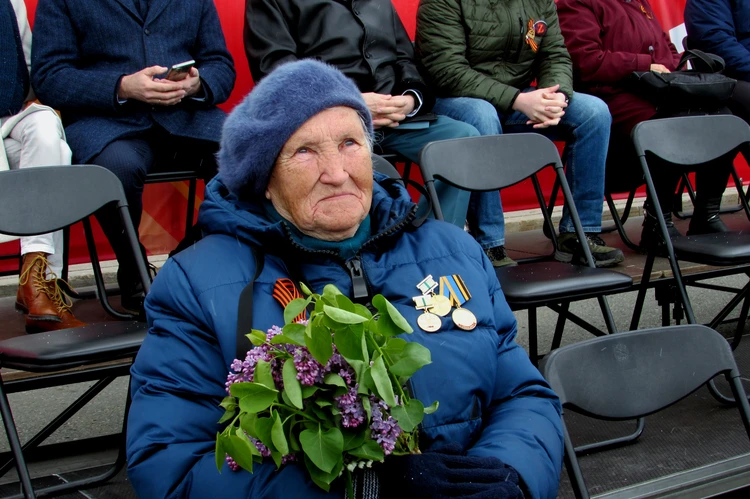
[154, 9]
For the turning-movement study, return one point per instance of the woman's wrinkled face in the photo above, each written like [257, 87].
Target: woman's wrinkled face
[322, 180]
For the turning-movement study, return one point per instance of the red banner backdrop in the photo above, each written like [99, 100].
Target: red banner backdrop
[165, 204]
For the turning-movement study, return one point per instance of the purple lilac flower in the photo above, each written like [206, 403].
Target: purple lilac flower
[385, 430]
[352, 410]
[244, 370]
[309, 370]
[232, 464]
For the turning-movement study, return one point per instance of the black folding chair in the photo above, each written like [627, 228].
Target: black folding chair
[36, 201]
[382, 165]
[634, 374]
[688, 144]
[494, 162]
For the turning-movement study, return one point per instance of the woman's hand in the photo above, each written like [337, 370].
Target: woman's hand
[659, 68]
[388, 110]
[544, 106]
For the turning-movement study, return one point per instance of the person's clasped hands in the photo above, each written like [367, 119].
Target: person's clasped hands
[544, 106]
[448, 472]
[388, 110]
[147, 86]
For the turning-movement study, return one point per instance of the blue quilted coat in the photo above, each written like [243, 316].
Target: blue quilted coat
[492, 400]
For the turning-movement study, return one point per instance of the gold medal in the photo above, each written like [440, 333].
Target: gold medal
[429, 322]
[464, 319]
[441, 305]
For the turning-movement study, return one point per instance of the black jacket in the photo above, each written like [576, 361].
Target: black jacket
[363, 38]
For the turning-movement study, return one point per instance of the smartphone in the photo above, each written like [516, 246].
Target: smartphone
[179, 71]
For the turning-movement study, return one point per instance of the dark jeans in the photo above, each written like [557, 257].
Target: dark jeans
[131, 159]
[740, 102]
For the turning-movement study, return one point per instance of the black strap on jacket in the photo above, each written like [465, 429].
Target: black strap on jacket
[245, 309]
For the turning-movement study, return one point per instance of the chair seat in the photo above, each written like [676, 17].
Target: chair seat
[541, 282]
[723, 249]
[67, 348]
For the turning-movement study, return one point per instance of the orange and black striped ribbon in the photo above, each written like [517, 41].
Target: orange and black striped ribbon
[285, 291]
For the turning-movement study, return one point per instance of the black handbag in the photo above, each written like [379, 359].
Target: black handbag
[701, 88]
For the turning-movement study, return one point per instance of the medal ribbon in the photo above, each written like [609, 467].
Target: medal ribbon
[284, 291]
[454, 288]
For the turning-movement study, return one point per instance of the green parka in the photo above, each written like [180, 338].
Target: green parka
[479, 48]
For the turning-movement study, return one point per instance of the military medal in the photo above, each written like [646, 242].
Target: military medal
[464, 319]
[429, 322]
[453, 288]
[441, 305]
[426, 285]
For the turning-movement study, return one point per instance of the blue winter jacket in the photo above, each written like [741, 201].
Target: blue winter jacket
[492, 399]
[722, 27]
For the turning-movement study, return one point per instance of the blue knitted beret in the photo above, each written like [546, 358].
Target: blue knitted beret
[257, 129]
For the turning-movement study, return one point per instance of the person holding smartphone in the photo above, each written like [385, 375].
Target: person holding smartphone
[103, 65]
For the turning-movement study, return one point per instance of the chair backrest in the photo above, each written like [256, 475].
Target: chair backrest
[40, 200]
[628, 375]
[382, 165]
[692, 140]
[487, 163]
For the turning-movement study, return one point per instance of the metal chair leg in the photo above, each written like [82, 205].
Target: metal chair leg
[15, 445]
[614, 442]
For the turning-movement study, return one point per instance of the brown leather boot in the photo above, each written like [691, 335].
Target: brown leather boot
[42, 299]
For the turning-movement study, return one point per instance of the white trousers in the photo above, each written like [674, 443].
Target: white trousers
[36, 140]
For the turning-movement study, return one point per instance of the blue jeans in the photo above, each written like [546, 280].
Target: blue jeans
[585, 130]
[454, 202]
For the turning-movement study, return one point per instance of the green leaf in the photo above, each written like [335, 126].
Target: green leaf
[342, 316]
[305, 290]
[413, 358]
[353, 439]
[295, 308]
[256, 337]
[323, 403]
[382, 382]
[277, 435]
[264, 427]
[323, 448]
[366, 383]
[330, 292]
[256, 397]
[344, 303]
[293, 333]
[229, 403]
[309, 391]
[349, 342]
[432, 407]
[262, 374]
[292, 386]
[386, 308]
[409, 415]
[247, 423]
[334, 379]
[241, 450]
[320, 343]
[367, 407]
[362, 310]
[219, 451]
[320, 477]
[369, 450]
[227, 416]
[394, 347]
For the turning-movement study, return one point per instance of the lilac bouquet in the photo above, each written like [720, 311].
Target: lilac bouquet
[327, 392]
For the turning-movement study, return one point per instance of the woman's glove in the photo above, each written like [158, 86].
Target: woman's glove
[447, 473]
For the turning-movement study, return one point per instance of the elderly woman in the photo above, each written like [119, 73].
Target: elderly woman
[296, 180]
[608, 40]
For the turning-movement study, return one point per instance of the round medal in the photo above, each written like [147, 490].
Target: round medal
[429, 322]
[441, 305]
[464, 319]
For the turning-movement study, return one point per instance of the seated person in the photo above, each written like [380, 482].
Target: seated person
[295, 178]
[32, 135]
[605, 51]
[368, 43]
[722, 27]
[483, 69]
[118, 112]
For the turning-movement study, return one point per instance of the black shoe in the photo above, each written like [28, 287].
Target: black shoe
[132, 294]
[651, 234]
[499, 257]
[570, 250]
[706, 225]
